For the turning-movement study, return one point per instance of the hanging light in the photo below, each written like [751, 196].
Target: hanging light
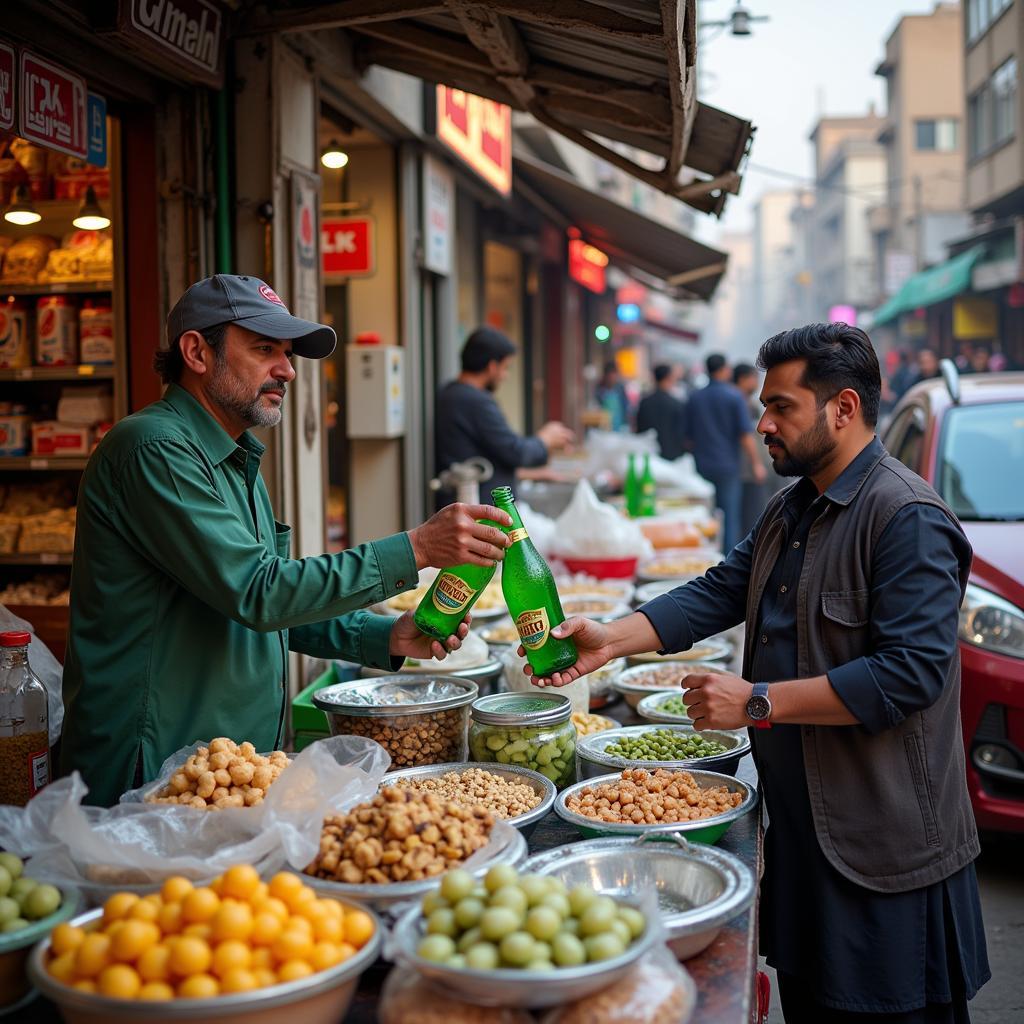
[21, 211]
[334, 156]
[90, 216]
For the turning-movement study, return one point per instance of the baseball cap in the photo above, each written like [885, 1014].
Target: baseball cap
[250, 303]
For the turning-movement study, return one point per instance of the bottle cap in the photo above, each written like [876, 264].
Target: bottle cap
[15, 638]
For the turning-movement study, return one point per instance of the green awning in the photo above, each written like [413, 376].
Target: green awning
[932, 285]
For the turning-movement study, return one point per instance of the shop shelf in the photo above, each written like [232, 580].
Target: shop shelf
[71, 288]
[43, 462]
[58, 373]
[43, 558]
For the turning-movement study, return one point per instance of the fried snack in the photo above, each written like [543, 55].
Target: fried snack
[505, 798]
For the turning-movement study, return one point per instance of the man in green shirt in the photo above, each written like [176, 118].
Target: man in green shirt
[184, 601]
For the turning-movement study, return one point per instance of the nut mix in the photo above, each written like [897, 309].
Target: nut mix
[16, 753]
[652, 798]
[401, 835]
[412, 740]
[505, 798]
[224, 774]
[587, 723]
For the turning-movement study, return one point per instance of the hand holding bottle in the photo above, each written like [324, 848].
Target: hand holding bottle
[593, 648]
[454, 537]
[408, 642]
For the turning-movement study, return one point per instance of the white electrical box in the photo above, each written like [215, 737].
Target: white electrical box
[376, 391]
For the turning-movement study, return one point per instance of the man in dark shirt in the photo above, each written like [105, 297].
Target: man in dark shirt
[470, 423]
[662, 412]
[878, 920]
[717, 427]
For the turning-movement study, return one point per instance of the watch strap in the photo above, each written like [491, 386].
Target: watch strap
[761, 690]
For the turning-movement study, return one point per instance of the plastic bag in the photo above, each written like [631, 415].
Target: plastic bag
[48, 669]
[408, 998]
[136, 843]
[658, 990]
[540, 527]
[578, 691]
[591, 528]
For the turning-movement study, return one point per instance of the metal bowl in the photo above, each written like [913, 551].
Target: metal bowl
[690, 563]
[488, 630]
[322, 998]
[486, 675]
[609, 607]
[700, 888]
[542, 786]
[633, 685]
[592, 761]
[601, 683]
[386, 897]
[712, 649]
[651, 708]
[511, 987]
[705, 830]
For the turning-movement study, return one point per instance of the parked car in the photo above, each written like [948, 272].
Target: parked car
[965, 436]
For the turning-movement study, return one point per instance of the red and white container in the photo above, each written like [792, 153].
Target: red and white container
[56, 331]
[15, 429]
[54, 438]
[96, 333]
[15, 343]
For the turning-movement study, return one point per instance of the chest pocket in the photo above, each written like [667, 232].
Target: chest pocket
[844, 629]
[846, 607]
[282, 539]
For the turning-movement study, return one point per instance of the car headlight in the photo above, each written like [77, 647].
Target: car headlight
[991, 623]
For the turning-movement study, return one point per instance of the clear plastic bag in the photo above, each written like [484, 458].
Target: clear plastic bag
[591, 528]
[140, 844]
[408, 998]
[658, 990]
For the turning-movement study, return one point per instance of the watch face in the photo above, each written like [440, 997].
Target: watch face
[759, 708]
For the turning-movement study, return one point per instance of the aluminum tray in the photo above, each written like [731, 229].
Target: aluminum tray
[527, 822]
[700, 888]
[705, 830]
[591, 759]
[629, 682]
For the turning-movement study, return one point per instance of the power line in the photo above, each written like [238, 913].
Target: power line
[813, 184]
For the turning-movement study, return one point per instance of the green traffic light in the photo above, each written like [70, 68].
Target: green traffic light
[602, 332]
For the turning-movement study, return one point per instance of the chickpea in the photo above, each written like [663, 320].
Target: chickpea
[205, 785]
[241, 772]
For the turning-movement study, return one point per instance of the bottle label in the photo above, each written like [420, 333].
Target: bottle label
[517, 535]
[452, 595]
[39, 770]
[533, 627]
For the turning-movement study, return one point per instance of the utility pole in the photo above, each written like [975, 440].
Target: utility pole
[918, 224]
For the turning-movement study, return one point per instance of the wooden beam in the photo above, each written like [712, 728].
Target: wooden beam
[441, 47]
[697, 274]
[608, 113]
[496, 37]
[579, 16]
[344, 14]
[648, 98]
[674, 14]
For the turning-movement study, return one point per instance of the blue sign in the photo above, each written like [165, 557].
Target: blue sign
[627, 312]
[96, 120]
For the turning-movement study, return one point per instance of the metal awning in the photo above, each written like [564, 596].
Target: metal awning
[631, 240]
[935, 284]
[608, 70]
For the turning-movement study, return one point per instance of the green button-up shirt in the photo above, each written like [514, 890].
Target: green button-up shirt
[184, 602]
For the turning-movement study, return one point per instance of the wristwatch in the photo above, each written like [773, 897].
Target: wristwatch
[759, 707]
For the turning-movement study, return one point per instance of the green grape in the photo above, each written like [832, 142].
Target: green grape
[543, 922]
[442, 922]
[497, 922]
[456, 885]
[567, 950]
[517, 949]
[598, 916]
[511, 896]
[500, 875]
[468, 912]
[603, 946]
[482, 956]
[580, 898]
[436, 948]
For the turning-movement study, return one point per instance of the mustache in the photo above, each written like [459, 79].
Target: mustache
[273, 385]
[776, 443]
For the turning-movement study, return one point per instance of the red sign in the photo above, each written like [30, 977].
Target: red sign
[480, 132]
[7, 69]
[586, 265]
[52, 105]
[346, 245]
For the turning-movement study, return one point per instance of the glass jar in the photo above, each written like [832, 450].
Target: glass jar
[528, 730]
[24, 723]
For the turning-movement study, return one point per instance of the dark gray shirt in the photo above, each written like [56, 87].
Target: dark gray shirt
[665, 414]
[716, 418]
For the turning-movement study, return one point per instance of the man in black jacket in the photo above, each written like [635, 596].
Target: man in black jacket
[661, 411]
[469, 421]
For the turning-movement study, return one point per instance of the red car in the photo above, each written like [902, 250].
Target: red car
[965, 436]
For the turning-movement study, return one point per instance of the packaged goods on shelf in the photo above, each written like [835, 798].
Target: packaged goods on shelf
[95, 333]
[10, 530]
[97, 263]
[72, 177]
[15, 429]
[31, 499]
[50, 437]
[15, 341]
[56, 331]
[33, 161]
[25, 259]
[85, 406]
[52, 531]
[72, 261]
[44, 589]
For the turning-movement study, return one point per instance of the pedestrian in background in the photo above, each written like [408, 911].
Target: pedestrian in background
[755, 492]
[611, 396]
[470, 421]
[663, 413]
[717, 428]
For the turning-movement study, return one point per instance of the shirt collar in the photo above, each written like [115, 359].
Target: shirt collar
[845, 486]
[214, 439]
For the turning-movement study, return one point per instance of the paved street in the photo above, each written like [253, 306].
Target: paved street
[1001, 1001]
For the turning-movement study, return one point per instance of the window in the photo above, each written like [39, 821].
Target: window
[905, 436]
[979, 122]
[981, 14]
[992, 111]
[940, 135]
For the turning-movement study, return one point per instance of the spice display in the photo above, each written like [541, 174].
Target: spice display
[503, 797]
[529, 922]
[587, 724]
[652, 798]
[23, 899]
[664, 745]
[401, 835]
[224, 774]
[235, 935]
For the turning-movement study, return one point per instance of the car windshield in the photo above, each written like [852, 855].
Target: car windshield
[981, 461]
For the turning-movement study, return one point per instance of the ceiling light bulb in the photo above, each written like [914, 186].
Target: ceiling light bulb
[90, 216]
[21, 211]
[333, 156]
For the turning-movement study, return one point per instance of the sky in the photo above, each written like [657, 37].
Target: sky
[812, 57]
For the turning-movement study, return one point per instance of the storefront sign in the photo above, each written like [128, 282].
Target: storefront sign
[52, 104]
[96, 109]
[842, 315]
[347, 246]
[587, 265]
[479, 131]
[187, 33]
[438, 214]
[974, 317]
[7, 69]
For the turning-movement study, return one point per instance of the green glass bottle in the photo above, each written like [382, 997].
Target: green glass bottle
[452, 594]
[631, 486]
[648, 491]
[531, 596]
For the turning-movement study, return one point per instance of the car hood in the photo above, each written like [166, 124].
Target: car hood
[998, 557]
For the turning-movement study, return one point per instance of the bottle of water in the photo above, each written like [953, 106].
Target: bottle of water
[24, 723]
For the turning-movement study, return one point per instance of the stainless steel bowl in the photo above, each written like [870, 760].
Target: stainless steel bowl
[651, 708]
[591, 759]
[705, 830]
[542, 786]
[385, 898]
[486, 676]
[322, 998]
[602, 683]
[510, 987]
[632, 686]
[712, 649]
[700, 888]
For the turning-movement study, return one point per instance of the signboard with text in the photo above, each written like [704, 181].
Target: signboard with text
[438, 214]
[479, 132]
[188, 34]
[97, 117]
[587, 265]
[347, 246]
[8, 70]
[52, 105]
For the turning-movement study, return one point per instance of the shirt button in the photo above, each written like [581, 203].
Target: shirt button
[796, 543]
[764, 638]
[783, 588]
[400, 584]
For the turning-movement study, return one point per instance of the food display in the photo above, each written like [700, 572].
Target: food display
[42, 589]
[417, 719]
[236, 935]
[25, 259]
[587, 724]
[641, 680]
[594, 606]
[664, 745]
[501, 633]
[224, 774]
[490, 601]
[673, 706]
[715, 649]
[582, 584]
[523, 922]
[400, 835]
[531, 730]
[652, 798]
[22, 898]
[668, 565]
[601, 683]
[503, 797]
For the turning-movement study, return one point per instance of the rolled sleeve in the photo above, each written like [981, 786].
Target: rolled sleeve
[856, 686]
[396, 564]
[360, 636]
[670, 623]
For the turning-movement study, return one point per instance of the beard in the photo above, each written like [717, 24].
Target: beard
[809, 455]
[233, 396]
